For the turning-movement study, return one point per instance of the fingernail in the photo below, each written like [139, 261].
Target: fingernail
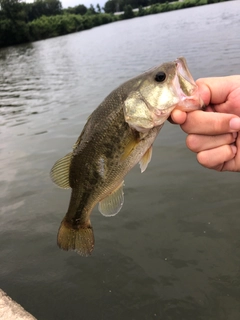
[234, 124]
[234, 149]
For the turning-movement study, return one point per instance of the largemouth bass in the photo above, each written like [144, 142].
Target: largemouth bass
[118, 135]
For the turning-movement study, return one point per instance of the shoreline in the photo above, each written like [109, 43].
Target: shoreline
[10, 310]
[14, 32]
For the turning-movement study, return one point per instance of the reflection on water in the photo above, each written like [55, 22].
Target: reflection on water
[173, 251]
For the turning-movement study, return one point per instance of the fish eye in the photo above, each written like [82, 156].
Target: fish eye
[160, 76]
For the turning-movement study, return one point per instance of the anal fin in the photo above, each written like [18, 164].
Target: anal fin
[113, 203]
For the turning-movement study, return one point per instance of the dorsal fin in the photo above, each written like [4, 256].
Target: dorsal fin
[145, 159]
[113, 203]
[60, 171]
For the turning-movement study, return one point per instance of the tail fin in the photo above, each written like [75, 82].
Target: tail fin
[76, 238]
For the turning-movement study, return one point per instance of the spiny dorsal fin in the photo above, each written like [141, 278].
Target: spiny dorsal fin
[113, 203]
[60, 171]
[145, 159]
[77, 142]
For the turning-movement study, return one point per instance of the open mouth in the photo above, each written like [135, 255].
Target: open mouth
[186, 87]
[183, 70]
[186, 81]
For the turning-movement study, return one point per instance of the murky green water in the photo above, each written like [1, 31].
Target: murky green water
[173, 252]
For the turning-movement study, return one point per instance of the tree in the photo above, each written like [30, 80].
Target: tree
[92, 9]
[46, 8]
[140, 11]
[98, 8]
[128, 12]
[80, 9]
[110, 6]
[13, 28]
[10, 9]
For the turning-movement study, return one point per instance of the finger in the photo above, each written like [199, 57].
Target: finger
[197, 143]
[234, 164]
[178, 116]
[234, 124]
[208, 123]
[204, 90]
[215, 158]
[215, 90]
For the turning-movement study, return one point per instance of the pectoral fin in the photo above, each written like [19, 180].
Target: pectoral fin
[113, 203]
[129, 147]
[60, 172]
[145, 159]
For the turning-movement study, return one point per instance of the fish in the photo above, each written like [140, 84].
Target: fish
[118, 134]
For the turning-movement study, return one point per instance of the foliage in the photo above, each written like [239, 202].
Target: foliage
[47, 7]
[47, 27]
[168, 6]
[140, 11]
[91, 10]
[112, 6]
[98, 8]
[23, 22]
[128, 12]
[10, 9]
[17, 10]
[13, 32]
[80, 9]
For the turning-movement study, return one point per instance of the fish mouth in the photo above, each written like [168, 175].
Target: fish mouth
[186, 88]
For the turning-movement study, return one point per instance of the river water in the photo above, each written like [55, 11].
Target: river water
[173, 252]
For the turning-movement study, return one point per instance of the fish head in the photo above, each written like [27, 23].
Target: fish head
[154, 94]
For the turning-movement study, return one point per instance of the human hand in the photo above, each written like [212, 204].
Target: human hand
[213, 135]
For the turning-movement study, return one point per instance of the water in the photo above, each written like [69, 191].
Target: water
[173, 252]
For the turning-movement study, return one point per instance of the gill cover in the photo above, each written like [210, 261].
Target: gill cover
[157, 92]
